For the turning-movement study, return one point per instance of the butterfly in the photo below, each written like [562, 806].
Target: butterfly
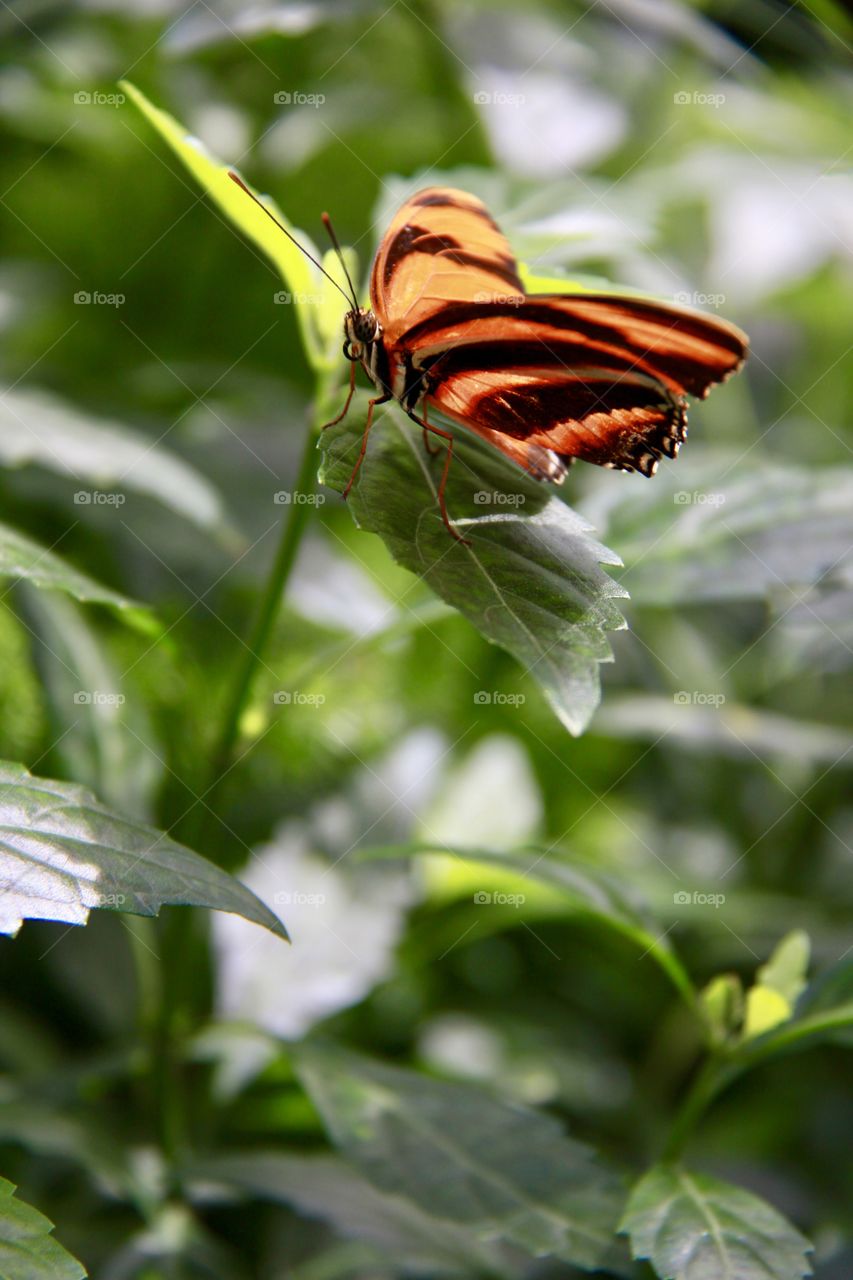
[545, 378]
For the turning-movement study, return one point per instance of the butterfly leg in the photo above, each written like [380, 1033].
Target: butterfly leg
[448, 458]
[371, 405]
[343, 413]
[433, 450]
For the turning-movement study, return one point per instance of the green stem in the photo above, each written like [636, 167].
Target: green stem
[713, 1077]
[292, 530]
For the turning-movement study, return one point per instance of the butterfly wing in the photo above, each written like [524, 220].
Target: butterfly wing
[594, 376]
[443, 246]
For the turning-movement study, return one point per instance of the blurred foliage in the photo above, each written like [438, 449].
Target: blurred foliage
[642, 925]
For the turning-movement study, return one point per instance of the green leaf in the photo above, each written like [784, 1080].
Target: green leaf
[27, 1251]
[100, 733]
[313, 296]
[549, 884]
[531, 580]
[778, 986]
[21, 558]
[36, 427]
[711, 528]
[695, 1227]
[326, 1187]
[458, 1153]
[786, 969]
[722, 1003]
[62, 853]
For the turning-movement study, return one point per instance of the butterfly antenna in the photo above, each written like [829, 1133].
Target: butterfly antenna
[241, 184]
[327, 223]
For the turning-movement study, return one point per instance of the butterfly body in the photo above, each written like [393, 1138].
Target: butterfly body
[545, 378]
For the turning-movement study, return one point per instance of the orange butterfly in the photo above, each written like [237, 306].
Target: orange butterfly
[546, 378]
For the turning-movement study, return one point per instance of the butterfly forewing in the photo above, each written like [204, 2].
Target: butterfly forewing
[443, 246]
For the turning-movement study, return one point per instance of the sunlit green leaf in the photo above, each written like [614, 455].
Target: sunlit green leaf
[62, 853]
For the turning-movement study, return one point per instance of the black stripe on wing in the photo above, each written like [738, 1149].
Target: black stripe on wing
[690, 352]
[627, 424]
[414, 239]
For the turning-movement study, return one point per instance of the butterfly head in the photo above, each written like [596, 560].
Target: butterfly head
[361, 329]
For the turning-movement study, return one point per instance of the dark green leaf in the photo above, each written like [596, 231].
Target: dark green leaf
[459, 1153]
[63, 853]
[531, 580]
[326, 1187]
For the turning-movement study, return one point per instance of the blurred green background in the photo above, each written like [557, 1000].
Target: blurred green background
[695, 151]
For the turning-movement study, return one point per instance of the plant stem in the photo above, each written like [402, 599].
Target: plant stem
[711, 1080]
[292, 530]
